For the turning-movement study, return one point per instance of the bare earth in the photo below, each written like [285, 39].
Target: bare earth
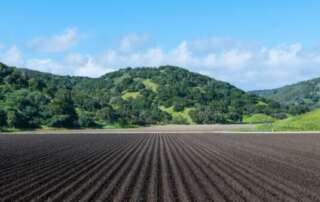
[160, 166]
[150, 129]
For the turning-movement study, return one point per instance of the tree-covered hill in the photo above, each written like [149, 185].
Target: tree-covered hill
[127, 97]
[305, 94]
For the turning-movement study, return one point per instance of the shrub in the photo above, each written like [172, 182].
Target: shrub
[3, 118]
[86, 120]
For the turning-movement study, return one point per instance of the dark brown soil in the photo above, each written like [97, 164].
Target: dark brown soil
[160, 167]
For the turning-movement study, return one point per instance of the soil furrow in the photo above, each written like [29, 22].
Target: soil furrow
[276, 184]
[131, 187]
[228, 186]
[181, 191]
[41, 181]
[160, 167]
[125, 179]
[267, 187]
[91, 185]
[106, 179]
[82, 179]
[195, 187]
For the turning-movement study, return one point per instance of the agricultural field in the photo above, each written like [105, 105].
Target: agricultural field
[160, 166]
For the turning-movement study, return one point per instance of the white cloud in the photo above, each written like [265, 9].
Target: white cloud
[181, 55]
[235, 58]
[133, 41]
[91, 68]
[284, 55]
[47, 65]
[248, 67]
[56, 43]
[11, 56]
[73, 64]
[85, 65]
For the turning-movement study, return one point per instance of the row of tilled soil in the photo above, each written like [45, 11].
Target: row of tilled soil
[160, 167]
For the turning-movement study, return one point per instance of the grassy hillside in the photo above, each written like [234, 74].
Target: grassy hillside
[258, 118]
[182, 117]
[305, 122]
[130, 95]
[127, 97]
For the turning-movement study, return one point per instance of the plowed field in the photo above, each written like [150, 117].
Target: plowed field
[160, 167]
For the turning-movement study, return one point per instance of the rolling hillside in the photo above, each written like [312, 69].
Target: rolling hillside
[306, 94]
[127, 97]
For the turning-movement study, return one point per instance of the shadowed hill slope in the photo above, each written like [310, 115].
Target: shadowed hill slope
[305, 94]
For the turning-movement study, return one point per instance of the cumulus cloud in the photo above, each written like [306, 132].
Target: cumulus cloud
[285, 55]
[73, 64]
[235, 58]
[11, 56]
[47, 65]
[220, 44]
[86, 65]
[133, 41]
[182, 55]
[56, 43]
[248, 67]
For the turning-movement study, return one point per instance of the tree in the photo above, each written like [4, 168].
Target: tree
[25, 108]
[36, 84]
[62, 110]
[107, 114]
[86, 120]
[17, 79]
[208, 115]
[17, 119]
[3, 118]
[179, 105]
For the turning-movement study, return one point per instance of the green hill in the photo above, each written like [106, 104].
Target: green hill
[258, 118]
[305, 94]
[305, 122]
[127, 97]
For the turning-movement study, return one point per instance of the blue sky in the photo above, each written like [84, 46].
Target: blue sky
[252, 44]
